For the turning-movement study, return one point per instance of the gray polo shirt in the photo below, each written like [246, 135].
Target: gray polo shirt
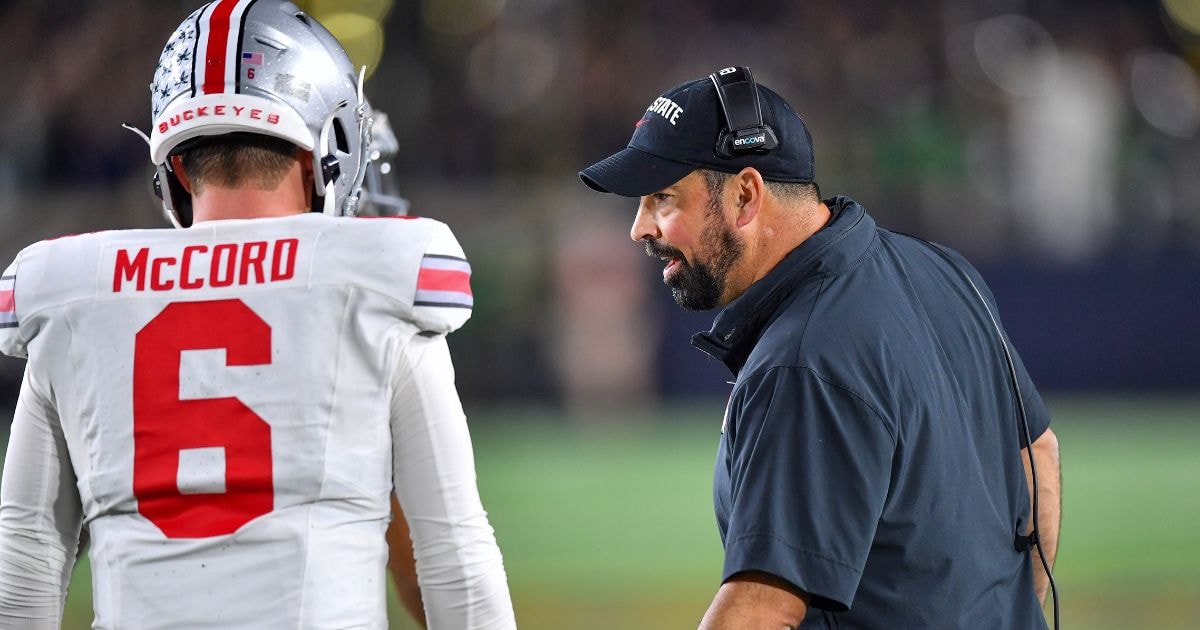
[870, 453]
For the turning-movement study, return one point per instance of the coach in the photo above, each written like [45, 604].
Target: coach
[872, 470]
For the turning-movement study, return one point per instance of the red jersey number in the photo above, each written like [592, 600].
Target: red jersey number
[163, 425]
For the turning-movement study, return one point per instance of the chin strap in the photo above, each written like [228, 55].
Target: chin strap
[139, 132]
[164, 186]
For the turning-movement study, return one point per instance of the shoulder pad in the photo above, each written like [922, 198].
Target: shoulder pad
[10, 337]
[442, 299]
[11, 341]
[43, 275]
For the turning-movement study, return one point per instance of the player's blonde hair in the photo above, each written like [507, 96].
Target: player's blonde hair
[239, 160]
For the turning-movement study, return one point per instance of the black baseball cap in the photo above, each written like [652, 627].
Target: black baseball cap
[685, 129]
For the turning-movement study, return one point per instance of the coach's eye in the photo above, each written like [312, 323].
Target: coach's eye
[660, 197]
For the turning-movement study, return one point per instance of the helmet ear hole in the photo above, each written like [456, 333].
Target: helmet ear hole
[339, 136]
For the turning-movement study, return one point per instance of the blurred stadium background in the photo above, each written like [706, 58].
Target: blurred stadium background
[1054, 143]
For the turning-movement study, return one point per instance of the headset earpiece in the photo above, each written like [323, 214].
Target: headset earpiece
[744, 131]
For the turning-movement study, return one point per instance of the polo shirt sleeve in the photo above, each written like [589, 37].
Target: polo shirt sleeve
[1035, 408]
[809, 468]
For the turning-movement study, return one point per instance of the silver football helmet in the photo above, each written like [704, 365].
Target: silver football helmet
[261, 66]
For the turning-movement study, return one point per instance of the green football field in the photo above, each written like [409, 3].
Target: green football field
[609, 525]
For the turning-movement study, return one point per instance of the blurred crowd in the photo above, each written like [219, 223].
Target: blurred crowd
[1061, 132]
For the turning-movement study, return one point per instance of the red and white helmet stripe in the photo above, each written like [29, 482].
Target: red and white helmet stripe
[218, 38]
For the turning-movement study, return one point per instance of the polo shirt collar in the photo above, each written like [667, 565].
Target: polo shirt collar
[835, 246]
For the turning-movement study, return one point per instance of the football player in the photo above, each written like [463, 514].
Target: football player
[228, 407]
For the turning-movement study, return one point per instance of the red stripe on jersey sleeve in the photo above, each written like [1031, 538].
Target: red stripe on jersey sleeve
[7, 304]
[444, 280]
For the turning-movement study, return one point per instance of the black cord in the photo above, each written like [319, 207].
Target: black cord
[1034, 538]
[1034, 534]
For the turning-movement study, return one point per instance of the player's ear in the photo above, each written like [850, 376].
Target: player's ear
[750, 189]
[181, 173]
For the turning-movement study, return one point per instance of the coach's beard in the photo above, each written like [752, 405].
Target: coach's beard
[697, 285]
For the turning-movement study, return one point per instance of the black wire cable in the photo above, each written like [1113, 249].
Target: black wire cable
[1034, 535]
[1034, 538]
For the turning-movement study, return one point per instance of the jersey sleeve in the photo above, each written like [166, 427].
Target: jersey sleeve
[459, 566]
[40, 516]
[442, 299]
[809, 469]
[11, 342]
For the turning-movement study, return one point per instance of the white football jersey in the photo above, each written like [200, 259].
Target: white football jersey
[233, 404]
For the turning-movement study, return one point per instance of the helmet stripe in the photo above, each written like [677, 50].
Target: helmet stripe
[216, 32]
[200, 56]
[223, 26]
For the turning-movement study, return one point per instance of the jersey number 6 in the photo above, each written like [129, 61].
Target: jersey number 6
[164, 425]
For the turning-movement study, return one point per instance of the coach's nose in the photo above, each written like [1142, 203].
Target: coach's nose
[644, 225]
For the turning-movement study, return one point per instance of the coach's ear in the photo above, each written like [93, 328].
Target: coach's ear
[749, 188]
[180, 173]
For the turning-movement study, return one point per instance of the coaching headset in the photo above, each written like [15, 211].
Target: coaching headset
[744, 130]
[745, 133]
